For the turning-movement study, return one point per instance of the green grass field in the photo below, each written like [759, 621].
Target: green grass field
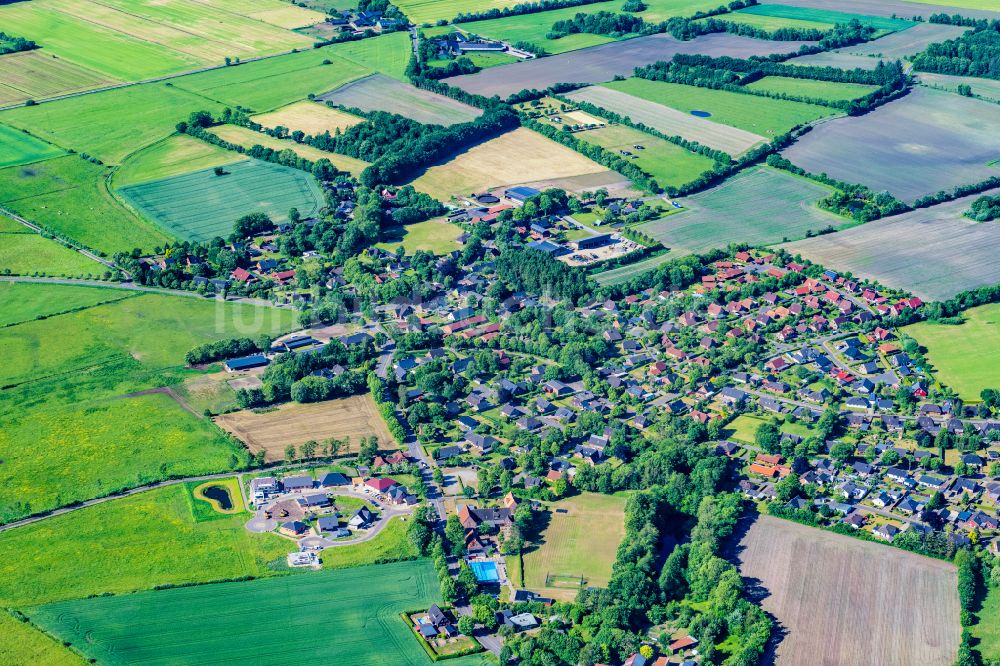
[24, 644]
[986, 632]
[68, 196]
[84, 378]
[581, 542]
[201, 205]
[760, 115]
[437, 236]
[965, 357]
[30, 254]
[175, 155]
[17, 147]
[759, 206]
[772, 23]
[209, 622]
[24, 302]
[392, 543]
[825, 16]
[744, 428]
[812, 88]
[623, 274]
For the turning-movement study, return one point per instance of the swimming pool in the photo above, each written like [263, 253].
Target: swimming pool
[485, 572]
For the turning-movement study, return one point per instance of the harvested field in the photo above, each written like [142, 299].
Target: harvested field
[988, 89]
[242, 136]
[37, 75]
[513, 158]
[925, 142]
[890, 8]
[201, 205]
[17, 147]
[295, 424]
[381, 93]
[760, 206]
[843, 601]
[897, 250]
[812, 88]
[833, 59]
[602, 63]
[309, 117]
[670, 121]
[907, 42]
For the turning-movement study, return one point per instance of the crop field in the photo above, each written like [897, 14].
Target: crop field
[772, 23]
[24, 644]
[169, 626]
[247, 138]
[835, 59]
[671, 122]
[602, 63]
[275, 12]
[815, 580]
[309, 117]
[201, 205]
[382, 93]
[354, 417]
[86, 377]
[927, 141]
[28, 254]
[437, 236]
[17, 147]
[964, 4]
[431, 11]
[965, 357]
[986, 633]
[36, 75]
[759, 206]
[68, 196]
[907, 42]
[668, 163]
[173, 156]
[987, 89]
[515, 157]
[110, 124]
[897, 250]
[806, 13]
[24, 302]
[760, 115]
[893, 8]
[812, 88]
[583, 541]
[625, 273]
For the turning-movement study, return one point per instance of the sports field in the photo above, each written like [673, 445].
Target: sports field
[309, 117]
[382, 93]
[17, 147]
[907, 42]
[516, 157]
[173, 156]
[897, 250]
[209, 622]
[68, 196]
[825, 16]
[111, 124]
[812, 88]
[437, 236]
[813, 580]
[759, 206]
[354, 417]
[927, 141]
[30, 254]
[87, 377]
[37, 75]
[761, 115]
[669, 121]
[201, 205]
[965, 357]
[581, 540]
[242, 136]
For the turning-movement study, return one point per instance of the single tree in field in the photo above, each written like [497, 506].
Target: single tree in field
[290, 452]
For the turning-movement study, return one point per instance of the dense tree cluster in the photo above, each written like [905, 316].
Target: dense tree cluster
[14, 44]
[976, 53]
[538, 273]
[598, 23]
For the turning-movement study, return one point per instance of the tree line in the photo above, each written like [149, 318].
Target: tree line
[521, 8]
[976, 53]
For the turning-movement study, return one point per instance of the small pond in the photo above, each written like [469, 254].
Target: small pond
[701, 114]
[220, 495]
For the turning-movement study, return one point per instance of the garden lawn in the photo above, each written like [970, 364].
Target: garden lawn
[209, 622]
[68, 196]
[202, 205]
[581, 539]
[30, 254]
[17, 147]
[23, 302]
[111, 124]
[391, 544]
[827, 90]
[760, 115]
[437, 236]
[744, 428]
[965, 357]
[172, 156]
[24, 644]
